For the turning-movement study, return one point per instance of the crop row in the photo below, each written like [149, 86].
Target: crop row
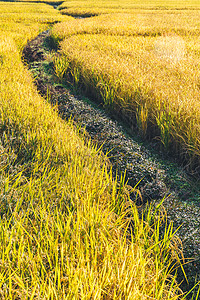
[147, 74]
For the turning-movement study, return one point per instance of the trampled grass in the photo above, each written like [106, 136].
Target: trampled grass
[146, 66]
[65, 221]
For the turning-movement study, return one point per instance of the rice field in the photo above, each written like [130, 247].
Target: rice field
[23, 21]
[145, 67]
[68, 227]
[92, 8]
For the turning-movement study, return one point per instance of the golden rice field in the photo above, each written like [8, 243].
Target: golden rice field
[91, 7]
[23, 21]
[145, 66]
[65, 221]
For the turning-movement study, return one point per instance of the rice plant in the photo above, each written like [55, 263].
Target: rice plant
[68, 227]
[147, 68]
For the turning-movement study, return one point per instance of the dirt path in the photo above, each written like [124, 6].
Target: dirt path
[160, 177]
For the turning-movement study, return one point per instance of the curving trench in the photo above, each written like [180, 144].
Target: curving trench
[158, 177]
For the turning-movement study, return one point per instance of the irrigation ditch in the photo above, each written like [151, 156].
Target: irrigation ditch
[158, 176]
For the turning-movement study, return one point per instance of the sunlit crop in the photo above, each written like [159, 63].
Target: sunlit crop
[146, 66]
[68, 227]
[61, 236]
[91, 7]
[23, 21]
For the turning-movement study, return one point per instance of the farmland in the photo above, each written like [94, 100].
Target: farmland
[147, 70]
[69, 228]
[88, 8]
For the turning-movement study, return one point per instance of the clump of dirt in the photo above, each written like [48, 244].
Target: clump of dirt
[157, 178]
[31, 51]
